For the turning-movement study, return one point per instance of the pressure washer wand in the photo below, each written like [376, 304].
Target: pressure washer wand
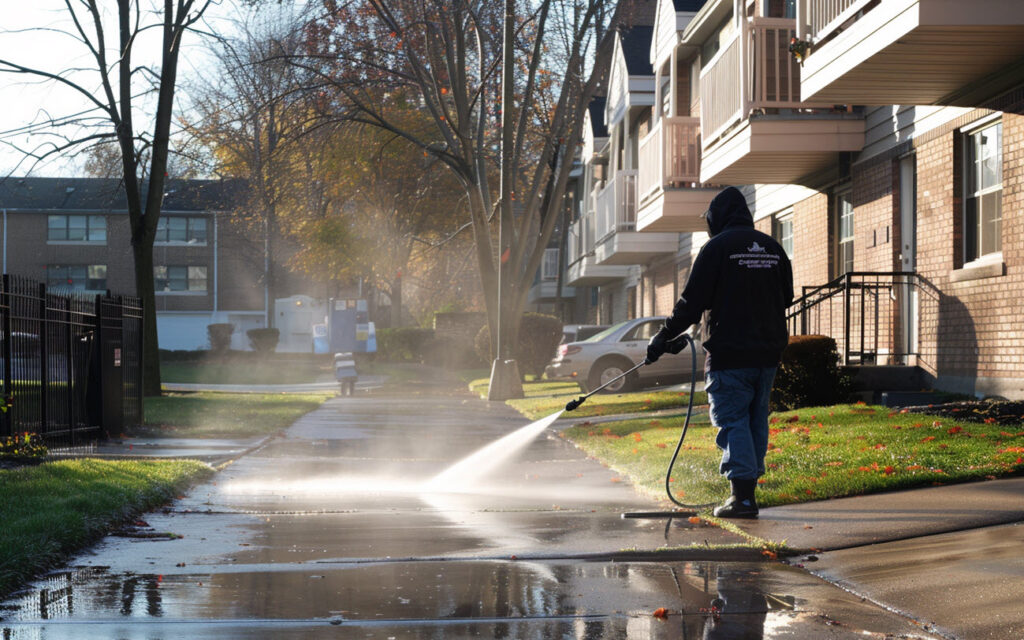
[573, 404]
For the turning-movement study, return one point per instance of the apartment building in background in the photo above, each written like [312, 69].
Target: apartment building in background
[879, 142]
[73, 234]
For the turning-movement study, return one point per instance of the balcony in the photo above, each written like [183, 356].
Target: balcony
[668, 180]
[757, 128]
[583, 268]
[912, 51]
[618, 242]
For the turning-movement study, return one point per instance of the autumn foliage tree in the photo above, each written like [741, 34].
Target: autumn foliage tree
[392, 209]
[446, 58]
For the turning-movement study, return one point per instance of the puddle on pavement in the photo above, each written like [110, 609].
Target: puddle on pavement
[444, 599]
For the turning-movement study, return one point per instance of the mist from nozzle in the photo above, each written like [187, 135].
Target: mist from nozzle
[466, 473]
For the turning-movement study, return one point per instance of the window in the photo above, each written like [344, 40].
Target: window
[983, 192]
[549, 268]
[180, 230]
[783, 232]
[67, 228]
[644, 331]
[179, 279]
[81, 277]
[722, 36]
[844, 252]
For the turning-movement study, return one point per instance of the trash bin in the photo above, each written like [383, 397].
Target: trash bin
[345, 373]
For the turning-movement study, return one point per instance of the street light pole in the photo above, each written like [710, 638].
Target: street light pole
[505, 382]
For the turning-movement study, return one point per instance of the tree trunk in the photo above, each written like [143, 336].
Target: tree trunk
[396, 302]
[145, 289]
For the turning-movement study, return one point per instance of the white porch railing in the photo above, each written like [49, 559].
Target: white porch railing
[770, 77]
[669, 156]
[720, 104]
[574, 243]
[825, 16]
[616, 205]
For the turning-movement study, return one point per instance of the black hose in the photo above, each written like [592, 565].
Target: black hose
[682, 436]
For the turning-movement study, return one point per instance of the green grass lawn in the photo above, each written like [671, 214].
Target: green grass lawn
[244, 372]
[51, 510]
[545, 397]
[225, 415]
[814, 454]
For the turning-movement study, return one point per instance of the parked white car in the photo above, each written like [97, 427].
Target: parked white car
[602, 357]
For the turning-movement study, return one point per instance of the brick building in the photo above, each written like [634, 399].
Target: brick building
[73, 233]
[887, 161]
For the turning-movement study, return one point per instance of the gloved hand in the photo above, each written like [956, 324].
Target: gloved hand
[657, 345]
[676, 345]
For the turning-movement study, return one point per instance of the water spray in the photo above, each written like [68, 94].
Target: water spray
[673, 346]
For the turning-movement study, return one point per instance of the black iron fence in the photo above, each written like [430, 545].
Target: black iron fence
[874, 317]
[72, 363]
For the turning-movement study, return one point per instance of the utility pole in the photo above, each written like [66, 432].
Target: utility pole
[505, 380]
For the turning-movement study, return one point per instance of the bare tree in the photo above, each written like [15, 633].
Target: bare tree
[125, 91]
[445, 57]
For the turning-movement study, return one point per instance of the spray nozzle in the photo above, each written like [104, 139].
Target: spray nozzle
[572, 404]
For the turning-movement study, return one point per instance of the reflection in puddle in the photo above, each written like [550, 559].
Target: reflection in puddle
[500, 599]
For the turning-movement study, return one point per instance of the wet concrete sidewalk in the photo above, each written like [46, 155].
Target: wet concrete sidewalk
[326, 532]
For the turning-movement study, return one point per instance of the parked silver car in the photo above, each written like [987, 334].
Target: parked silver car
[578, 332]
[598, 359]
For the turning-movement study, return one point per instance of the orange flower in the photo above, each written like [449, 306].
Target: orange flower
[694, 520]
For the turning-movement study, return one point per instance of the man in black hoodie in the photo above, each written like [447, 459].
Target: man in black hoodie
[746, 281]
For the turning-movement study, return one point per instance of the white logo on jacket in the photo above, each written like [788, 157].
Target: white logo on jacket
[756, 248]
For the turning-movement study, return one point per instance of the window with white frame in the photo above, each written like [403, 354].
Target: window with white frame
[77, 277]
[76, 228]
[784, 232]
[180, 230]
[179, 279]
[549, 268]
[844, 234]
[983, 192]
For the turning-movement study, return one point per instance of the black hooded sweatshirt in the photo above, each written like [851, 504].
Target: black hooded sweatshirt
[745, 279]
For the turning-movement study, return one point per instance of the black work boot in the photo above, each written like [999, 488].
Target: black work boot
[741, 504]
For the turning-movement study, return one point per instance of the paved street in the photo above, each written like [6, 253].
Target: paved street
[325, 533]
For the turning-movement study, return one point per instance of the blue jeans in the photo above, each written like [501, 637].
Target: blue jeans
[739, 408]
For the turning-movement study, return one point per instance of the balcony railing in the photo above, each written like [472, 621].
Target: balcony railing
[769, 78]
[669, 156]
[826, 16]
[574, 242]
[616, 205]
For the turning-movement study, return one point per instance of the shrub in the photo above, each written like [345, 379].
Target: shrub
[403, 344]
[539, 335]
[220, 336]
[263, 340]
[23, 446]
[809, 375]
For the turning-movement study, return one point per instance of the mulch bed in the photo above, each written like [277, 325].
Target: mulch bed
[1004, 413]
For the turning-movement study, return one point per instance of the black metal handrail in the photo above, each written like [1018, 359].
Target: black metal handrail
[865, 326]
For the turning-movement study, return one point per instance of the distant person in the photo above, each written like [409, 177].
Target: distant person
[345, 373]
[745, 280]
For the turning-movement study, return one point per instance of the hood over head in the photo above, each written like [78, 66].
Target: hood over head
[727, 209]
